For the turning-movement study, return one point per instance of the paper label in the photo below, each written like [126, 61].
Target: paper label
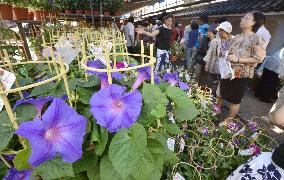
[254, 136]
[181, 145]
[178, 177]
[203, 103]
[239, 132]
[171, 144]
[68, 54]
[246, 152]
[8, 79]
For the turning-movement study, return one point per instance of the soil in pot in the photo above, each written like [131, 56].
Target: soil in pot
[6, 12]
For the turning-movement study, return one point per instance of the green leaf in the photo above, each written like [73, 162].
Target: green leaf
[163, 86]
[145, 166]
[184, 108]
[25, 81]
[73, 83]
[93, 80]
[161, 137]
[101, 144]
[21, 160]
[89, 159]
[93, 173]
[171, 128]
[125, 149]
[43, 89]
[53, 169]
[6, 130]
[25, 112]
[107, 171]
[154, 100]
[95, 134]
[84, 95]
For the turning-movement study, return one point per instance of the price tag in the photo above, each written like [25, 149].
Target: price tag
[203, 103]
[178, 177]
[8, 79]
[187, 77]
[171, 144]
[239, 132]
[68, 54]
[254, 136]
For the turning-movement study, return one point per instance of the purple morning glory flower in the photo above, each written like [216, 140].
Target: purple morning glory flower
[10, 157]
[216, 108]
[114, 109]
[60, 131]
[38, 103]
[103, 75]
[233, 126]
[253, 126]
[205, 131]
[236, 142]
[144, 74]
[173, 79]
[256, 149]
[14, 174]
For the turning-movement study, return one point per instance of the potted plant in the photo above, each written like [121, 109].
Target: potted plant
[117, 5]
[6, 9]
[176, 51]
[96, 8]
[106, 8]
[69, 6]
[20, 10]
[79, 4]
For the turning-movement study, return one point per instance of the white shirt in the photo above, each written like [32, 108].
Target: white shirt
[128, 30]
[264, 34]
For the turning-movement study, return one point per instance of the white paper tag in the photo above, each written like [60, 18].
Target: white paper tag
[254, 136]
[203, 103]
[68, 54]
[171, 144]
[8, 80]
[178, 177]
[187, 77]
[239, 132]
[246, 152]
[181, 145]
[46, 52]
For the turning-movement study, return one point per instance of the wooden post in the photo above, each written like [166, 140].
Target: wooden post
[142, 51]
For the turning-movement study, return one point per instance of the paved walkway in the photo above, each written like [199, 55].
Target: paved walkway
[252, 108]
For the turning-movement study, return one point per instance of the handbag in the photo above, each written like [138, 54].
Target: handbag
[225, 69]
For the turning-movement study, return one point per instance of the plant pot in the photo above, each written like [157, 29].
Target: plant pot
[106, 13]
[87, 11]
[31, 15]
[67, 11]
[37, 15]
[96, 13]
[117, 13]
[79, 11]
[173, 58]
[20, 13]
[6, 11]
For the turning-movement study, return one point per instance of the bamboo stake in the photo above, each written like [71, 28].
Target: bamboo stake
[62, 69]
[152, 63]
[142, 51]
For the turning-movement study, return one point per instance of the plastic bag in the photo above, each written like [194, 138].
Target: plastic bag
[225, 69]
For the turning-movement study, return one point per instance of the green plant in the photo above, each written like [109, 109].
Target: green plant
[5, 1]
[117, 5]
[20, 3]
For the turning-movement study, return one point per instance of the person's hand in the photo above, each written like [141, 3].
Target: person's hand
[206, 68]
[233, 58]
[139, 31]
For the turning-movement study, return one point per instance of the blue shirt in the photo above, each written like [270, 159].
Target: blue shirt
[271, 62]
[192, 38]
[202, 30]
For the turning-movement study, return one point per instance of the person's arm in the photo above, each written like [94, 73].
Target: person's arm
[209, 55]
[258, 56]
[200, 39]
[131, 34]
[151, 34]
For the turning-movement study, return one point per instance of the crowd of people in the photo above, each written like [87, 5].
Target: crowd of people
[222, 61]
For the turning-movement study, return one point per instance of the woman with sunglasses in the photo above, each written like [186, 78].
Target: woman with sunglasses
[245, 52]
